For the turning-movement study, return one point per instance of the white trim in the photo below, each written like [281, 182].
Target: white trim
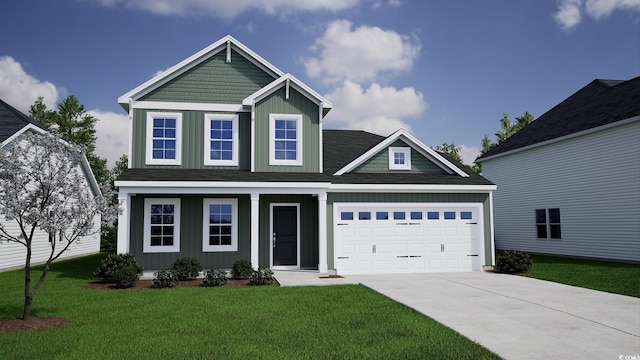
[167, 105]
[281, 267]
[130, 125]
[123, 241]
[195, 60]
[289, 81]
[416, 144]
[234, 139]
[149, 160]
[272, 139]
[320, 141]
[323, 267]
[492, 229]
[562, 138]
[253, 138]
[147, 248]
[206, 247]
[22, 131]
[406, 150]
[255, 229]
[228, 51]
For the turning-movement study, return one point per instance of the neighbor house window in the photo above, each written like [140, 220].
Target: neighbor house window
[399, 158]
[164, 132]
[548, 223]
[285, 139]
[221, 139]
[220, 219]
[161, 225]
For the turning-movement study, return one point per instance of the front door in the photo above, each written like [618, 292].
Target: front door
[285, 236]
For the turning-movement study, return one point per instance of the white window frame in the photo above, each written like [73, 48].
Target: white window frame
[407, 158]
[205, 225]
[149, 148]
[272, 139]
[147, 248]
[207, 139]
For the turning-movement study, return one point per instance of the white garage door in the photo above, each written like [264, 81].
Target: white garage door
[407, 238]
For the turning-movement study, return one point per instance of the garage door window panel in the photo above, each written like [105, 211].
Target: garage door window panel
[449, 215]
[364, 215]
[346, 215]
[382, 215]
[433, 215]
[399, 215]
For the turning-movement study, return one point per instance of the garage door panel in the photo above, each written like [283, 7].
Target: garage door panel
[416, 231]
[399, 231]
[382, 232]
[365, 232]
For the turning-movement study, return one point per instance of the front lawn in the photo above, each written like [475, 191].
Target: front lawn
[613, 277]
[329, 322]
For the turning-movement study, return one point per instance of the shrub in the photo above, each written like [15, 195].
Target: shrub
[126, 277]
[513, 261]
[242, 269]
[187, 268]
[165, 278]
[114, 262]
[262, 277]
[216, 277]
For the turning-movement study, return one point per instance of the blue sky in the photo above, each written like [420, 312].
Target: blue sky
[444, 70]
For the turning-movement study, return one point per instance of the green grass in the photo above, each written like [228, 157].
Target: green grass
[613, 277]
[331, 322]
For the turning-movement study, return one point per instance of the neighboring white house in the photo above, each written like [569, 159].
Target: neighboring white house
[13, 124]
[569, 183]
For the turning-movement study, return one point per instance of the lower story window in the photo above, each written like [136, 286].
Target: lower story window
[220, 225]
[161, 225]
[548, 223]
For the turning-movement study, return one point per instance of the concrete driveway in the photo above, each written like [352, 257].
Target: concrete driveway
[521, 318]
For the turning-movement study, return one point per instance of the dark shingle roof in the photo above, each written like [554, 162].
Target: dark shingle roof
[599, 103]
[12, 120]
[340, 148]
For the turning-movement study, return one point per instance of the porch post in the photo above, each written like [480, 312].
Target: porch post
[322, 233]
[122, 243]
[255, 227]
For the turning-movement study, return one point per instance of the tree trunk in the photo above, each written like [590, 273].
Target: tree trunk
[26, 311]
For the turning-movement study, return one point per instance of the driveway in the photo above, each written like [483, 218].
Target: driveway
[521, 318]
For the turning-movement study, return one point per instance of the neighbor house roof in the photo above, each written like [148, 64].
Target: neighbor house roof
[341, 147]
[601, 102]
[12, 121]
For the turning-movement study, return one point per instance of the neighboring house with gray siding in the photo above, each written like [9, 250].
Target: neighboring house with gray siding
[13, 124]
[229, 160]
[569, 182]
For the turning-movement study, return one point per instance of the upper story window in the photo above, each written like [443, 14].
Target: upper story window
[161, 225]
[399, 158]
[285, 139]
[164, 138]
[221, 139]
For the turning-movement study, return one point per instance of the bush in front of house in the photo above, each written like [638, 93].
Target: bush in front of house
[216, 277]
[262, 277]
[165, 278]
[187, 268]
[113, 263]
[126, 277]
[513, 261]
[242, 269]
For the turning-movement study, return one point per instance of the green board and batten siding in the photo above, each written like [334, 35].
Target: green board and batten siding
[214, 81]
[192, 141]
[379, 163]
[190, 235]
[409, 198]
[276, 103]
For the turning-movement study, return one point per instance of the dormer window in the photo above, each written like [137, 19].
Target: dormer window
[164, 143]
[399, 158]
[221, 139]
[285, 139]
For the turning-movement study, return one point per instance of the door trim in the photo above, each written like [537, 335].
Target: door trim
[290, 267]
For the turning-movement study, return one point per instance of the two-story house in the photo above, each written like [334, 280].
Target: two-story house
[229, 160]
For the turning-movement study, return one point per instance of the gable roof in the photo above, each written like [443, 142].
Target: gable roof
[13, 121]
[416, 144]
[601, 102]
[288, 80]
[225, 44]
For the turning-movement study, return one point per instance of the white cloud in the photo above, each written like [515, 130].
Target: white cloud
[21, 90]
[377, 109]
[360, 55]
[229, 8]
[570, 12]
[112, 131]
[468, 154]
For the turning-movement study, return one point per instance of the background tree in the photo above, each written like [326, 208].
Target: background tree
[42, 187]
[507, 129]
[110, 232]
[74, 125]
[451, 150]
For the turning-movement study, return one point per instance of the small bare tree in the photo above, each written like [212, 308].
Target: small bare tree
[43, 188]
